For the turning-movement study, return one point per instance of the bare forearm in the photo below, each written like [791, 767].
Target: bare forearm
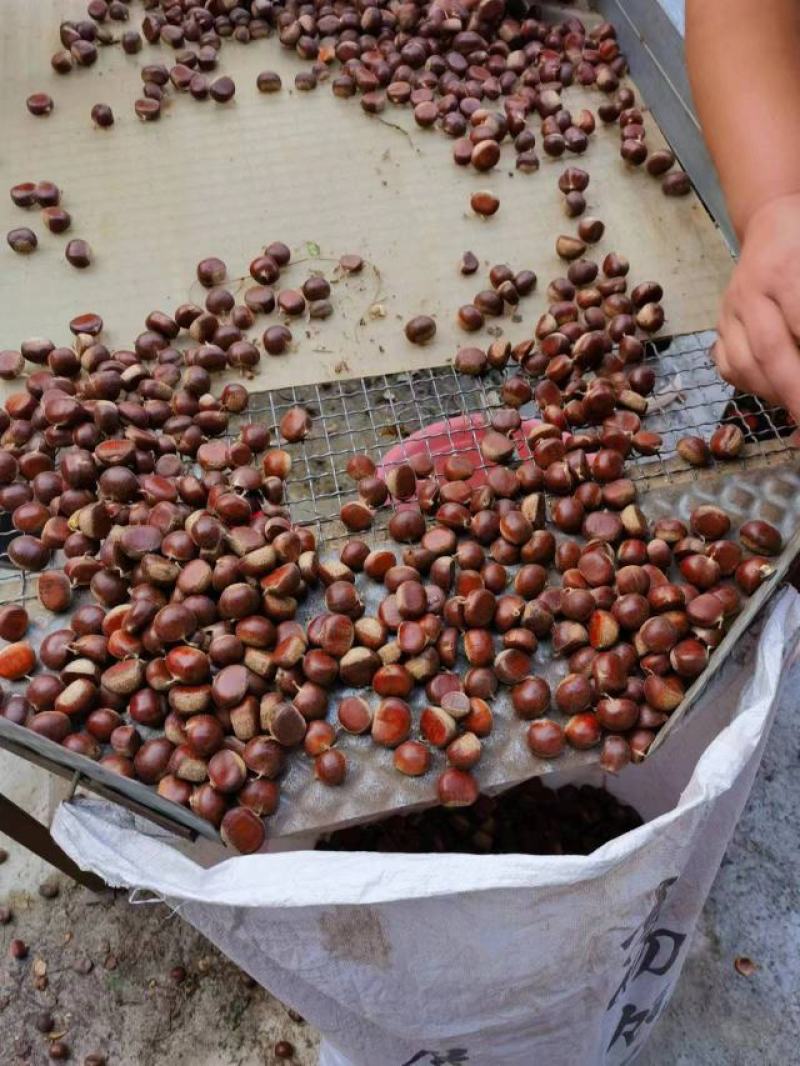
[744, 66]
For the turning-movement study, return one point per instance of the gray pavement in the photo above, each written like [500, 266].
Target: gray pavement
[717, 1017]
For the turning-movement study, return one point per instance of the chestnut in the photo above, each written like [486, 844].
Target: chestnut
[700, 570]
[283, 720]
[437, 726]
[260, 796]
[615, 754]
[603, 629]
[609, 672]
[545, 738]
[412, 758]
[530, 697]
[230, 686]
[152, 760]
[54, 725]
[263, 756]
[617, 714]
[320, 736]
[710, 522]
[759, 537]
[750, 574]
[14, 624]
[391, 723]
[227, 771]
[204, 734]
[663, 693]
[456, 788]
[689, 658]
[573, 694]
[694, 451]
[657, 634]
[726, 442]
[583, 731]
[330, 767]
[640, 741]
[727, 555]
[480, 719]
[209, 804]
[464, 752]
[243, 830]
[706, 610]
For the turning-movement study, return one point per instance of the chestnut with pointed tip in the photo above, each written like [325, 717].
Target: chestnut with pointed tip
[243, 830]
[412, 758]
[331, 767]
[457, 788]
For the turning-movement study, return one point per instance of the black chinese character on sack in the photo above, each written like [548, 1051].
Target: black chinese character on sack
[637, 961]
[654, 951]
[632, 1019]
[454, 1057]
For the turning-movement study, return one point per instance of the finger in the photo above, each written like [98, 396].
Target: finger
[719, 353]
[736, 361]
[744, 371]
[787, 298]
[719, 350]
[774, 351]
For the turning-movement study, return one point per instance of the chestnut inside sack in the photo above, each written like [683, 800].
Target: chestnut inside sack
[579, 970]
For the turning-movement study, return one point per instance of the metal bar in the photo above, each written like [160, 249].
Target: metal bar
[25, 830]
[135, 796]
[755, 605]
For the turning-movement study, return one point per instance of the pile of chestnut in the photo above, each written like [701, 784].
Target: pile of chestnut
[186, 665]
[528, 819]
[477, 73]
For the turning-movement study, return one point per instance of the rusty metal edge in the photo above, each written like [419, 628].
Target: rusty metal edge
[758, 601]
[133, 795]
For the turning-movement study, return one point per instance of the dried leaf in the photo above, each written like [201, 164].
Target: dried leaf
[377, 311]
[745, 966]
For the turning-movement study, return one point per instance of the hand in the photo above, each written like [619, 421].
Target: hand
[759, 326]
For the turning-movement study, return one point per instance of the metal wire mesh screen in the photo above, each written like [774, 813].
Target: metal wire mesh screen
[386, 414]
[377, 414]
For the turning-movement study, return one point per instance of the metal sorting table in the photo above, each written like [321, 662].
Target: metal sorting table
[383, 166]
[379, 413]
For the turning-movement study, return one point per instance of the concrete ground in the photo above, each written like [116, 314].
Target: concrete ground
[145, 989]
[718, 1017]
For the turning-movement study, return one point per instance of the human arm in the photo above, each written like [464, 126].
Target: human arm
[744, 66]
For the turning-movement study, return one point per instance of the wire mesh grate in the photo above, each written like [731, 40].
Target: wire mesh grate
[379, 414]
[382, 414]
